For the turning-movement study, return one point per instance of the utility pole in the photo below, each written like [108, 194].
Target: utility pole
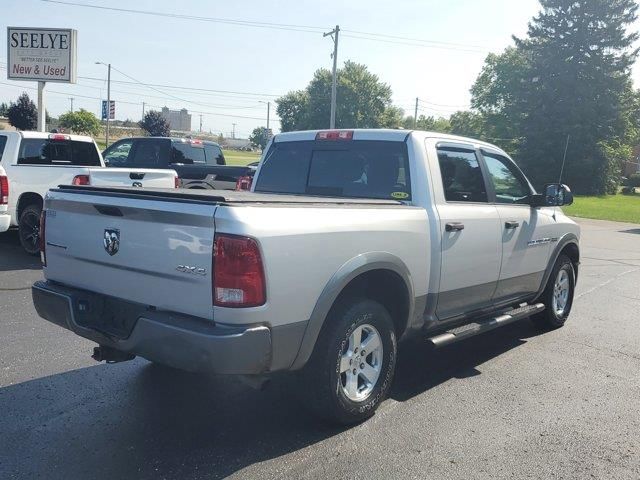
[142, 110]
[233, 132]
[71, 99]
[108, 65]
[108, 102]
[334, 36]
[200, 123]
[415, 116]
[268, 108]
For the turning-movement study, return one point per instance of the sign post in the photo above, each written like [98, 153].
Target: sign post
[42, 55]
[42, 111]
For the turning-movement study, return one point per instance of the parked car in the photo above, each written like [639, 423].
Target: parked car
[349, 241]
[33, 162]
[200, 163]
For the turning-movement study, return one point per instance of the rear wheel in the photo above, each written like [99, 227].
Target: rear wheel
[557, 295]
[29, 229]
[352, 367]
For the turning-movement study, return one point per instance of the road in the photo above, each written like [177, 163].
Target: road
[513, 404]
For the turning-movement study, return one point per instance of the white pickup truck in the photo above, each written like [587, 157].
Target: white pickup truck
[349, 241]
[34, 162]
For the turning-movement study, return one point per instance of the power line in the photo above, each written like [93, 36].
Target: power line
[137, 103]
[357, 34]
[166, 96]
[417, 40]
[415, 44]
[229, 21]
[186, 88]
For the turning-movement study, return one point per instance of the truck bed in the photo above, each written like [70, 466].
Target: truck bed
[223, 197]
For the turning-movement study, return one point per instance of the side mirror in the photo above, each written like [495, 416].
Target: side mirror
[557, 195]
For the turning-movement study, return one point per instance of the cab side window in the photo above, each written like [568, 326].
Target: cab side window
[508, 183]
[118, 154]
[461, 175]
[149, 153]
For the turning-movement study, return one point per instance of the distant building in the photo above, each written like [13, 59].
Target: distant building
[177, 119]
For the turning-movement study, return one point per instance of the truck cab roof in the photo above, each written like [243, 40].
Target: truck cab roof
[29, 134]
[382, 134]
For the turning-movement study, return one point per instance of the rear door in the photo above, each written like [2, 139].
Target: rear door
[470, 229]
[525, 234]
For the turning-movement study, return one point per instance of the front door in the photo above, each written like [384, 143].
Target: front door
[470, 229]
[525, 231]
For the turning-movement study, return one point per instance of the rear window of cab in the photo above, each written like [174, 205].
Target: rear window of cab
[43, 151]
[352, 169]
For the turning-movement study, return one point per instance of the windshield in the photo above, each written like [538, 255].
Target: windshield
[354, 169]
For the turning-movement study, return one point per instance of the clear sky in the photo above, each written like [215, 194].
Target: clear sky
[263, 63]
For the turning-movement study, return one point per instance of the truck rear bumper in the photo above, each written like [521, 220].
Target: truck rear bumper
[5, 222]
[172, 339]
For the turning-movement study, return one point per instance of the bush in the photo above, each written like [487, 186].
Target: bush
[634, 180]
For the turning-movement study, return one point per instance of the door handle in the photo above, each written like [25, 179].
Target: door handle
[511, 224]
[454, 227]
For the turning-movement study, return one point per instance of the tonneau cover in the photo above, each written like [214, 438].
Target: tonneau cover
[221, 196]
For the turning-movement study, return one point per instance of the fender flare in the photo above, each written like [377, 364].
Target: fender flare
[353, 268]
[566, 239]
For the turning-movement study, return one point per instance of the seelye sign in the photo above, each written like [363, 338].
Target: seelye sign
[41, 54]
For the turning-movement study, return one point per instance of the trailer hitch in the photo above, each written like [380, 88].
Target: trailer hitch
[103, 353]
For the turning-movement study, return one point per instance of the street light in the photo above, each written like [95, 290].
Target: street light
[108, 112]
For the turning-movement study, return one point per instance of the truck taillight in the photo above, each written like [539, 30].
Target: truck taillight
[81, 180]
[335, 135]
[244, 183]
[238, 273]
[41, 237]
[4, 190]
[176, 182]
[59, 137]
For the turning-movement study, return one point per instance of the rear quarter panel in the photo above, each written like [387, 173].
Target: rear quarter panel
[304, 247]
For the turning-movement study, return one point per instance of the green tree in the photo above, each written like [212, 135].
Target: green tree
[363, 101]
[155, 124]
[259, 137]
[4, 109]
[569, 76]
[468, 124]
[81, 122]
[23, 114]
[427, 124]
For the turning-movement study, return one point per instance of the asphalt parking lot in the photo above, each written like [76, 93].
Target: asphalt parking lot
[513, 404]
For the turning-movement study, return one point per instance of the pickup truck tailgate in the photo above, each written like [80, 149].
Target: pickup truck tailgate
[142, 249]
[138, 177]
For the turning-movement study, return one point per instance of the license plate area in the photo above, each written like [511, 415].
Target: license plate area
[108, 315]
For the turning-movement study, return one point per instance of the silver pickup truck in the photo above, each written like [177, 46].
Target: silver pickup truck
[349, 242]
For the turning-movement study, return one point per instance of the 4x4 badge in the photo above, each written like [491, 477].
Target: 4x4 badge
[111, 240]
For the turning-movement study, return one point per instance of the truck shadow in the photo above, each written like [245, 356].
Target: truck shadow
[13, 257]
[137, 419]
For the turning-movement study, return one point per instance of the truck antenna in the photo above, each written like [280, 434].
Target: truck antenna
[564, 159]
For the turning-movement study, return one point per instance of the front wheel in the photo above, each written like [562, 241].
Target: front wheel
[352, 367]
[29, 229]
[557, 295]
